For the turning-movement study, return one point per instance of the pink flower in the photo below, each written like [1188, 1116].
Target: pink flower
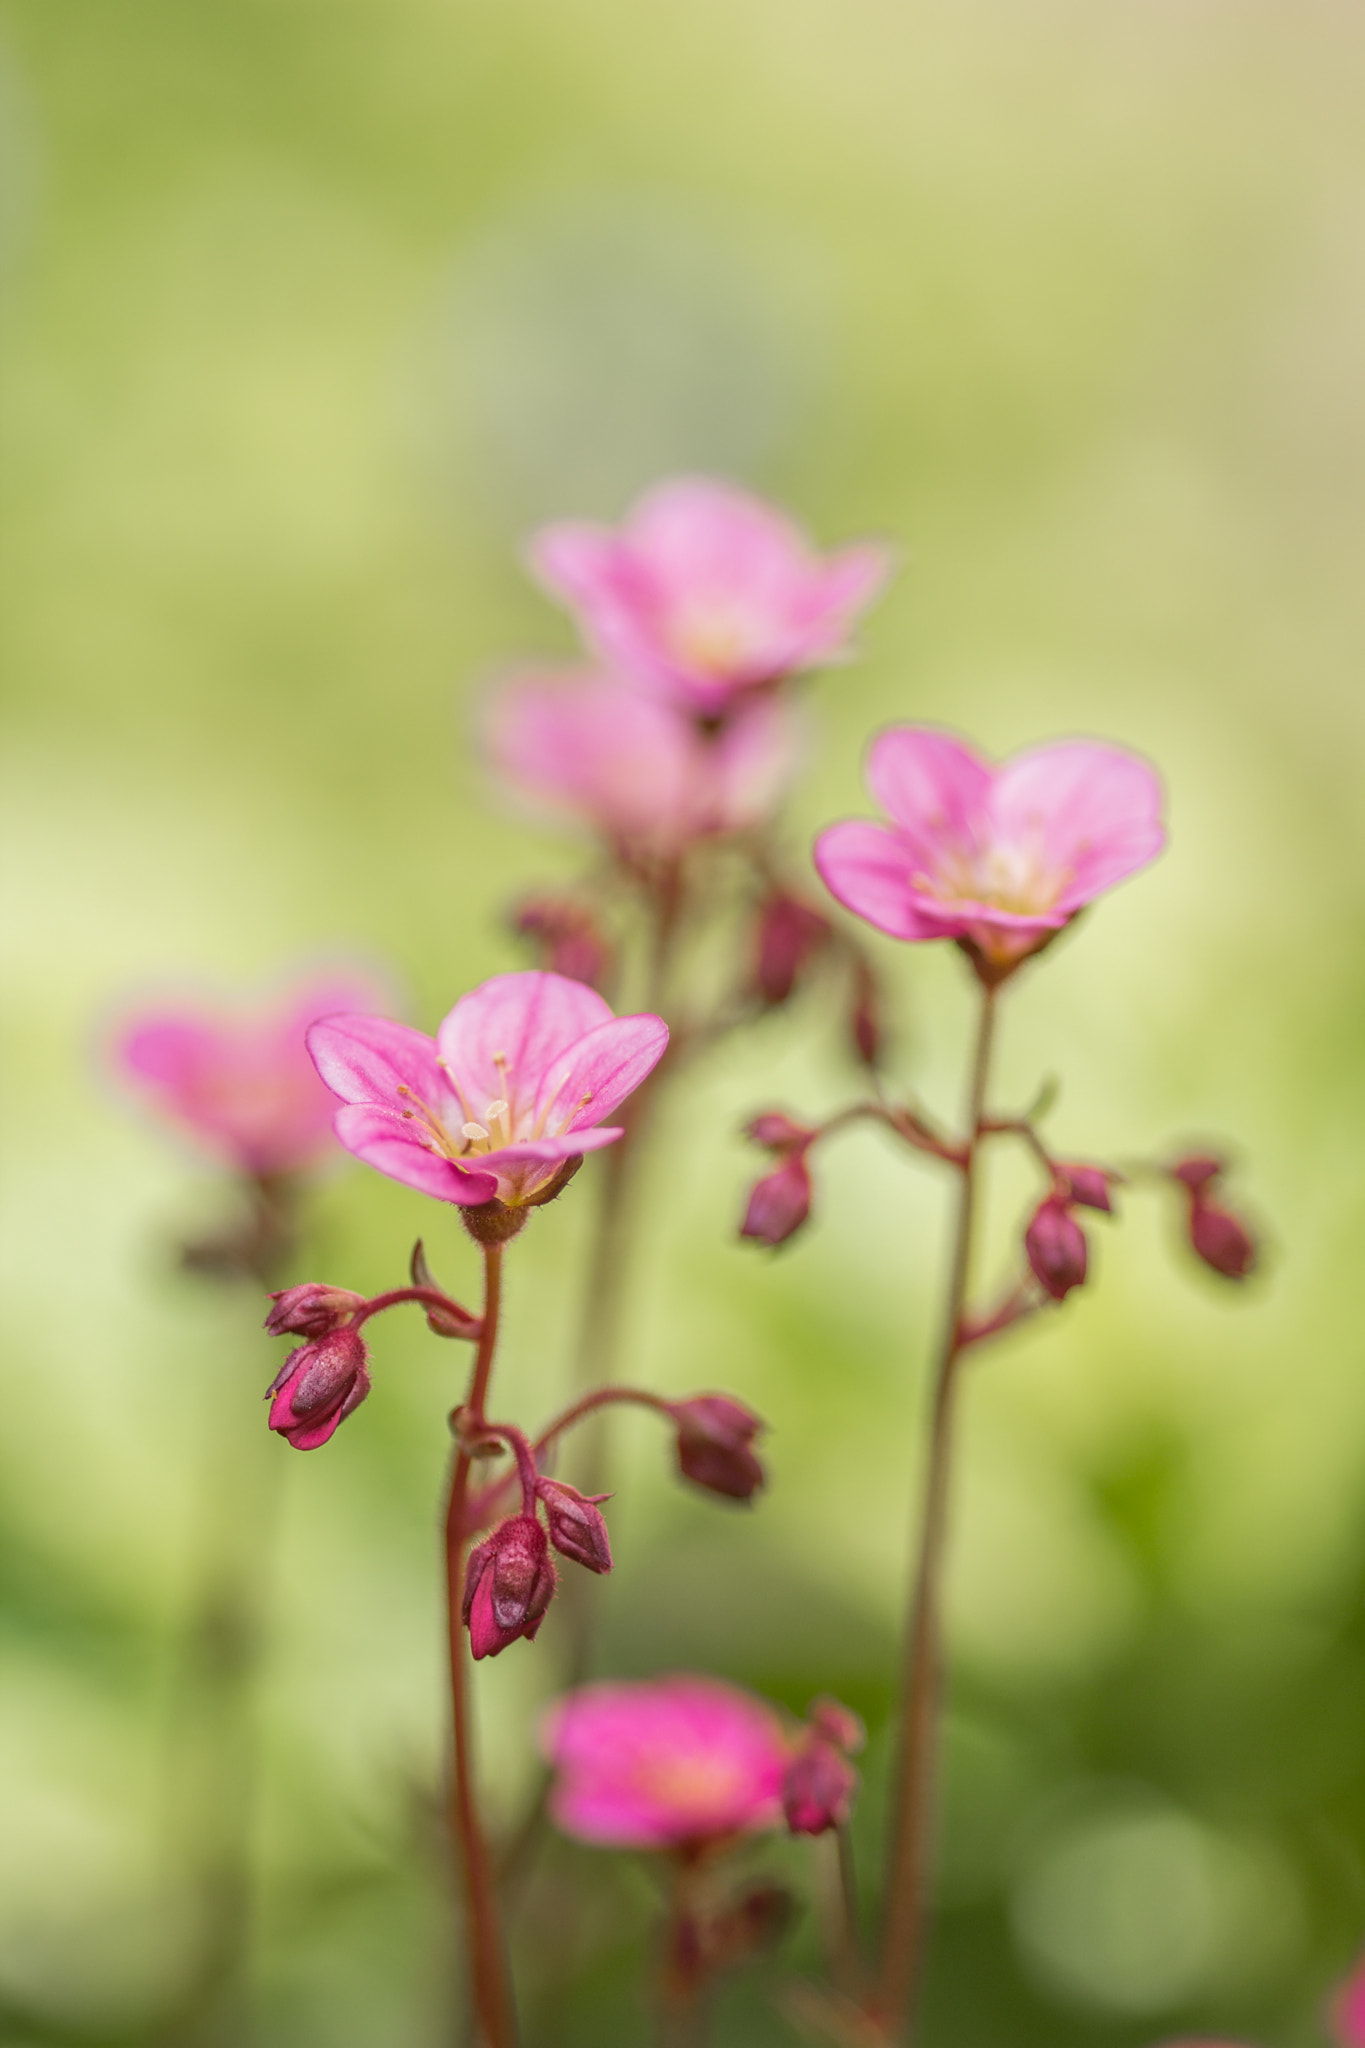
[318, 1386]
[646, 777]
[240, 1079]
[1348, 2010]
[512, 1087]
[998, 857]
[706, 592]
[665, 1763]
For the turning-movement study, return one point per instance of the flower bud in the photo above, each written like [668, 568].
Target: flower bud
[864, 1016]
[311, 1310]
[778, 1132]
[1220, 1239]
[509, 1583]
[817, 1792]
[577, 1529]
[831, 1721]
[714, 1439]
[1089, 1186]
[572, 942]
[1198, 1170]
[789, 936]
[1056, 1248]
[318, 1386]
[779, 1203]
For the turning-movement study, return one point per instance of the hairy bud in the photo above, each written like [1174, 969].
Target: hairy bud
[509, 1583]
[1056, 1248]
[715, 1435]
[318, 1386]
[779, 1203]
[311, 1310]
[577, 1528]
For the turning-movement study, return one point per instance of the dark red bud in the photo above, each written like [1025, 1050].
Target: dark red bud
[1089, 1185]
[1198, 1170]
[817, 1792]
[1056, 1248]
[311, 1310]
[778, 1132]
[789, 936]
[831, 1721]
[572, 942]
[779, 1203]
[318, 1386]
[577, 1528]
[714, 1439]
[509, 1583]
[1221, 1240]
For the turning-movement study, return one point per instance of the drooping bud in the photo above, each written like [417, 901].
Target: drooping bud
[715, 1435]
[817, 1792]
[509, 1583]
[318, 1386]
[577, 1528]
[779, 1203]
[1089, 1186]
[1198, 1170]
[778, 1132]
[789, 935]
[572, 942]
[1056, 1248]
[1221, 1239]
[311, 1310]
[831, 1721]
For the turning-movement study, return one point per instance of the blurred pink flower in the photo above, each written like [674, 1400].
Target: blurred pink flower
[643, 774]
[665, 1763]
[1348, 2009]
[240, 1079]
[705, 592]
[514, 1084]
[1000, 857]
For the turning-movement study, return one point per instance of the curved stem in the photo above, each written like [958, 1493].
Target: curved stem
[487, 1959]
[907, 1886]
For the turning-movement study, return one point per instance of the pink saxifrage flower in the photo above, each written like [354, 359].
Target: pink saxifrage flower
[705, 592]
[239, 1079]
[514, 1085]
[665, 1763]
[645, 776]
[1000, 857]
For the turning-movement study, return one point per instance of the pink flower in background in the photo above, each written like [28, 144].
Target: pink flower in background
[1348, 2010]
[240, 1079]
[1000, 857]
[638, 771]
[706, 592]
[665, 1763]
[515, 1084]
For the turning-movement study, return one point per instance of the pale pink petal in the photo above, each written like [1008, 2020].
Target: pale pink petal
[1095, 811]
[168, 1049]
[867, 868]
[365, 1059]
[707, 538]
[755, 757]
[592, 746]
[853, 577]
[591, 1077]
[571, 558]
[499, 1039]
[933, 786]
[383, 1139]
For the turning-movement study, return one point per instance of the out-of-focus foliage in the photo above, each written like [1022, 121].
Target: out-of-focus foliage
[307, 310]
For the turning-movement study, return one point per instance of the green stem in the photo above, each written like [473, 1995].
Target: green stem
[908, 1869]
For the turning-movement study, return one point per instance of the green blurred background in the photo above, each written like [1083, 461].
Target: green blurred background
[309, 310]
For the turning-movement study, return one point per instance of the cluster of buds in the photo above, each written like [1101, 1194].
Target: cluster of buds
[1220, 1238]
[820, 1785]
[510, 1579]
[1054, 1242]
[780, 1202]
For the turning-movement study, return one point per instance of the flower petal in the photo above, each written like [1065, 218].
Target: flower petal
[499, 1039]
[384, 1139]
[867, 868]
[591, 1077]
[1096, 811]
[933, 786]
[366, 1059]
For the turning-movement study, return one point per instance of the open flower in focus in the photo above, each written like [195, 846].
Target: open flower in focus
[665, 1763]
[643, 775]
[239, 1079]
[998, 857]
[706, 592]
[514, 1085]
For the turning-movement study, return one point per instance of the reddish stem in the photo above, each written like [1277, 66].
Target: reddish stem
[430, 1297]
[487, 1958]
[908, 1866]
